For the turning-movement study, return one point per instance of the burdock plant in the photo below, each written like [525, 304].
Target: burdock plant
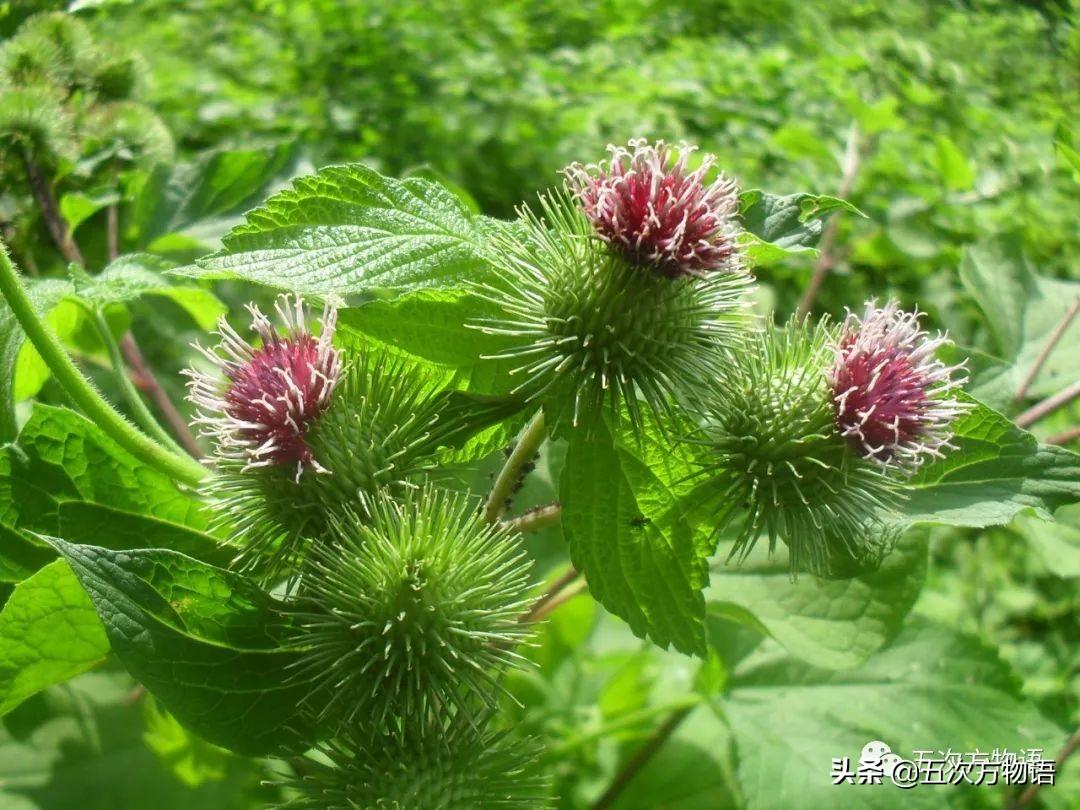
[379, 605]
[777, 464]
[410, 612]
[621, 291]
[303, 431]
[893, 397]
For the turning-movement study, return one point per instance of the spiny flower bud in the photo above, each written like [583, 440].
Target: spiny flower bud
[890, 393]
[414, 610]
[647, 206]
[261, 407]
[589, 330]
[384, 422]
[455, 764]
[778, 465]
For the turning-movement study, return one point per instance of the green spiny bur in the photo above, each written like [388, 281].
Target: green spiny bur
[778, 466]
[380, 431]
[595, 332]
[455, 764]
[413, 611]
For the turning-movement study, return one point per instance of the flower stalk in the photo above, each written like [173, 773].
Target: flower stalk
[82, 393]
[511, 472]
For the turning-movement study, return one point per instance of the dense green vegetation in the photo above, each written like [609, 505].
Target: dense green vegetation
[152, 127]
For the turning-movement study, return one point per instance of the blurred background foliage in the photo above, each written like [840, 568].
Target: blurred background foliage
[946, 122]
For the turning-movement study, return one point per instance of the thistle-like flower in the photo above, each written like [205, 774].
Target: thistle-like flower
[588, 330]
[260, 408]
[414, 610]
[384, 423]
[648, 207]
[892, 396]
[777, 465]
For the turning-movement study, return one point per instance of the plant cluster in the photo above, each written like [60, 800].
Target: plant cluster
[437, 430]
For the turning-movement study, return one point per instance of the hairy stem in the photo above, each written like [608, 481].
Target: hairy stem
[142, 414]
[535, 519]
[50, 211]
[1049, 405]
[641, 758]
[511, 473]
[1051, 342]
[555, 595]
[146, 380]
[81, 392]
[112, 232]
[826, 256]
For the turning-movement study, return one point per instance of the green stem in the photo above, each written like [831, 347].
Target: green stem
[80, 391]
[638, 761]
[630, 720]
[535, 519]
[511, 472]
[142, 414]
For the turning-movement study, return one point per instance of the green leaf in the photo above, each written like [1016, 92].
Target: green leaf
[1022, 310]
[20, 557]
[779, 226]
[626, 534]
[99, 469]
[1056, 543]
[996, 471]
[205, 641]
[833, 624]
[431, 324]
[691, 771]
[76, 207]
[49, 632]
[953, 167]
[215, 185]
[930, 689]
[93, 523]
[349, 229]
[138, 274]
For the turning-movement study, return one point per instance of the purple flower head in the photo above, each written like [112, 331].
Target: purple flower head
[892, 396]
[646, 205]
[260, 408]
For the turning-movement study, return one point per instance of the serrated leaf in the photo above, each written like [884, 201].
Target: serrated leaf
[996, 471]
[1022, 310]
[138, 274]
[49, 632]
[349, 229]
[431, 324]
[626, 535]
[205, 641]
[929, 689]
[833, 624]
[780, 226]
